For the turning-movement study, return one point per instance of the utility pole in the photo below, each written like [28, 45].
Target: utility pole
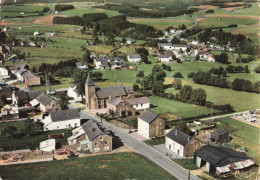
[211, 107]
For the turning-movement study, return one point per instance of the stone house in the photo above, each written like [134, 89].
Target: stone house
[22, 98]
[97, 98]
[181, 143]
[150, 125]
[120, 107]
[88, 137]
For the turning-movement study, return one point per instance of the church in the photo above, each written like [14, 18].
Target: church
[97, 98]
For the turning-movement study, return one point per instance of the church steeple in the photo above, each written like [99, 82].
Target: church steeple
[90, 81]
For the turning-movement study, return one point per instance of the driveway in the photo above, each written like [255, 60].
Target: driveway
[160, 159]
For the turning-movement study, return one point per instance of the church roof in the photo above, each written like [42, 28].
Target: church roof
[90, 80]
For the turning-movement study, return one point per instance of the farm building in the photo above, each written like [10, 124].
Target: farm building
[120, 107]
[141, 103]
[73, 92]
[220, 160]
[63, 119]
[48, 145]
[134, 58]
[219, 136]
[45, 103]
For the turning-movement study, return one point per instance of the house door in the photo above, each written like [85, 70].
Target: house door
[178, 152]
[170, 146]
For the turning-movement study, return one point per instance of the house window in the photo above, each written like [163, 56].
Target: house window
[141, 105]
[97, 149]
[106, 142]
[96, 144]
[101, 138]
[106, 148]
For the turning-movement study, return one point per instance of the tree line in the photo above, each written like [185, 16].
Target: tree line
[238, 84]
[63, 7]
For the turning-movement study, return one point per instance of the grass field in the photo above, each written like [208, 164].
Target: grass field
[25, 142]
[113, 166]
[244, 131]
[186, 163]
[154, 142]
[65, 83]
[178, 108]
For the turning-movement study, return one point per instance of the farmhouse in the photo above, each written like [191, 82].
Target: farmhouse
[5, 92]
[96, 98]
[45, 103]
[120, 107]
[179, 47]
[165, 58]
[21, 97]
[73, 92]
[219, 136]
[63, 119]
[48, 145]
[23, 73]
[141, 103]
[150, 125]
[220, 160]
[135, 58]
[181, 143]
[88, 137]
[166, 46]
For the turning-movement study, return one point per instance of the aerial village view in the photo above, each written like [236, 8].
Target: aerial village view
[140, 89]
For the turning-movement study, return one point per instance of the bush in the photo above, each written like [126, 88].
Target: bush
[257, 69]
[178, 75]
[63, 7]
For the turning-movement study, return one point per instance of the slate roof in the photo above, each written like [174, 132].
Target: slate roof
[134, 56]
[33, 94]
[179, 136]
[28, 74]
[220, 156]
[21, 95]
[148, 116]
[90, 80]
[91, 129]
[115, 101]
[44, 99]
[107, 92]
[21, 66]
[141, 100]
[64, 115]
[164, 44]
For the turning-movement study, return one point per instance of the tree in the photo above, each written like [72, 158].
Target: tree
[178, 75]
[223, 58]
[97, 75]
[198, 96]
[63, 101]
[183, 27]
[185, 93]
[9, 130]
[124, 40]
[145, 59]
[79, 79]
[174, 56]
[140, 74]
[257, 69]
[158, 88]
[46, 9]
[177, 84]
[4, 100]
[86, 57]
[197, 57]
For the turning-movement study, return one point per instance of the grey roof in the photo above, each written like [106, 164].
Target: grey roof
[179, 136]
[141, 100]
[115, 101]
[220, 156]
[107, 92]
[21, 95]
[64, 115]
[44, 99]
[164, 44]
[21, 66]
[179, 45]
[133, 56]
[33, 94]
[90, 80]
[91, 129]
[28, 74]
[148, 116]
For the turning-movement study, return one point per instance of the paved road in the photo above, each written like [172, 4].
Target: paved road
[145, 150]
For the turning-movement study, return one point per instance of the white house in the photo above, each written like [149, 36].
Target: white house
[3, 71]
[135, 58]
[166, 46]
[74, 93]
[179, 47]
[150, 125]
[48, 145]
[63, 119]
[165, 58]
[36, 33]
[139, 103]
[181, 143]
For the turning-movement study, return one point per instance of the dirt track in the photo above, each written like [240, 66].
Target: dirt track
[232, 16]
[161, 20]
[46, 20]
